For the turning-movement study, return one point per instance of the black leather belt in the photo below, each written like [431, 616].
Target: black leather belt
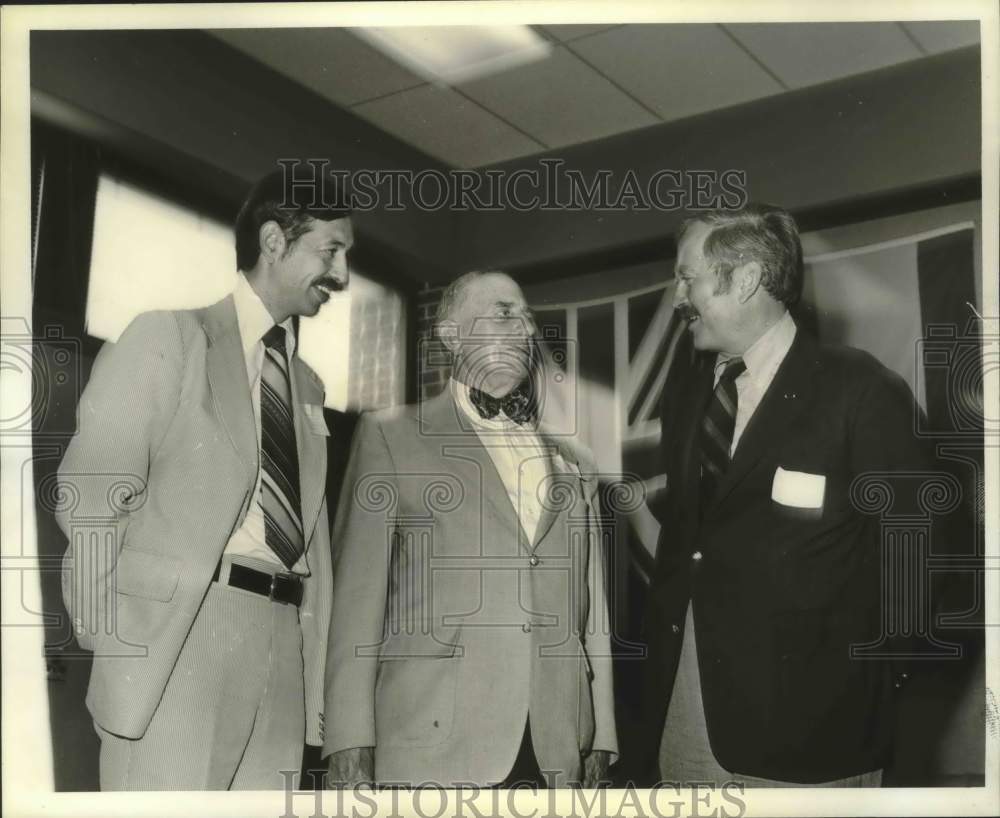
[284, 588]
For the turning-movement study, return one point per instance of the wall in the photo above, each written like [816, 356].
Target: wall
[432, 371]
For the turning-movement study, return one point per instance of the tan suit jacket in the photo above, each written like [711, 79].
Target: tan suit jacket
[158, 477]
[444, 637]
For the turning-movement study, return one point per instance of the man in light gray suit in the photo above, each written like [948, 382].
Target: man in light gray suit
[469, 641]
[208, 614]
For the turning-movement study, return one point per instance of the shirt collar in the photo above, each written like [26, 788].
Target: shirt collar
[254, 319]
[767, 351]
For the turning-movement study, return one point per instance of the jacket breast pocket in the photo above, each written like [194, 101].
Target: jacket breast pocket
[145, 574]
[416, 690]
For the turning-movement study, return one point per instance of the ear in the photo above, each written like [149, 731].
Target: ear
[747, 280]
[447, 331]
[272, 241]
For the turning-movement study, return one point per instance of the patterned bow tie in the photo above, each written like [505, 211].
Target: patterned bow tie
[519, 404]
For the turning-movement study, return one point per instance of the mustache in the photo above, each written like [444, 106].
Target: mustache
[686, 311]
[334, 284]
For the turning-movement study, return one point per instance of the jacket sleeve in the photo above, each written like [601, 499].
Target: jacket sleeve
[362, 543]
[124, 413]
[314, 616]
[885, 446]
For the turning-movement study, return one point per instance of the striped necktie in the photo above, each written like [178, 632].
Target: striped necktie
[717, 429]
[279, 486]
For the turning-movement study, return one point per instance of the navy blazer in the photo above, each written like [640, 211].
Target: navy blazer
[780, 594]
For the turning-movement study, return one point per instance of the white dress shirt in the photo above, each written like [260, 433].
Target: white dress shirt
[518, 455]
[254, 322]
[762, 359]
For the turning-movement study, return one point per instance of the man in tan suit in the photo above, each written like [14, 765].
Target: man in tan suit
[469, 640]
[208, 614]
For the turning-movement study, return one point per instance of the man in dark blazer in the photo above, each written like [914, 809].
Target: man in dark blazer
[203, 432]
[766, 573]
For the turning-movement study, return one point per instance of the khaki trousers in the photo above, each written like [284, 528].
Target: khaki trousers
[685, 752]
[232, 715]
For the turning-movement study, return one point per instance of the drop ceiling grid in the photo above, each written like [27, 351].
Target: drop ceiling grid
[444, 124]
[573, 102]
[936, 38]
[812, 53]
[332, 62]
[678, 71]
[600, 80]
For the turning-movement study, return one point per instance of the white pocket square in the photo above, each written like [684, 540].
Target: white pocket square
[314, 414]
[798, 489]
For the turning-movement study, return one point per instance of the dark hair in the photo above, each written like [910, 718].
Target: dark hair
[757, 232]
[293, 204]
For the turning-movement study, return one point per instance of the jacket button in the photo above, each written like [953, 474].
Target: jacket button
[675, 628]
[526, 627]
[696, 556]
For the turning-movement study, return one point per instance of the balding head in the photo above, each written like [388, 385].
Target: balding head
[485, 322]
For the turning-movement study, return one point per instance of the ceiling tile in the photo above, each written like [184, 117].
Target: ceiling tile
[944, 35]
[331, 61]
[571, 101]
[677, 70]
[804, 54]
[574, 32]
[443, 123]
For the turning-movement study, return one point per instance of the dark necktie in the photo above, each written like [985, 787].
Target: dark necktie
[279, 486]
[717, 429]
[519, 404]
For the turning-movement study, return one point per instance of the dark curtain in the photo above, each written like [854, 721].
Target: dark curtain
[65, 171]
[940, 734]
[64, 222]
[946, 272]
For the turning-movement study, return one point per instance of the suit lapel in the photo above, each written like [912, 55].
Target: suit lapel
[552, 472]
[562, 462]
[689, 416]
[782, 402]
[441, 420]
[227, 376]
[311, 445]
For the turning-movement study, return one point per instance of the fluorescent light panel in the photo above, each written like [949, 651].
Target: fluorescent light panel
[454, 54]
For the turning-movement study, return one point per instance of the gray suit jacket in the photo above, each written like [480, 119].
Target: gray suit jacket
[158, 477]
[443, 637]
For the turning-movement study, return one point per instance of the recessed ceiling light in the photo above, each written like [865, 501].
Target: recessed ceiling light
[454, 54]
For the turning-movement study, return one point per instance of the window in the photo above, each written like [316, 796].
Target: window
[151, 253]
